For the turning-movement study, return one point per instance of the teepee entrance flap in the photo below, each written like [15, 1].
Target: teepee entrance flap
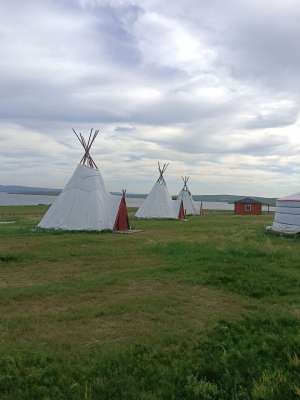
[181, 214]
[122, 220]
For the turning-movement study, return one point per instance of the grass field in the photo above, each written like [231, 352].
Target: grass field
[206, 309]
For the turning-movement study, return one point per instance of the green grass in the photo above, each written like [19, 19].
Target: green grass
[256, 358]
[205, 309]
[245, 270]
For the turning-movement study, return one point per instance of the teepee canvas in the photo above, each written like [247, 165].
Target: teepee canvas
[121, 220]
[158, 203]
[287, 215]
[84, 203]
[187, 198]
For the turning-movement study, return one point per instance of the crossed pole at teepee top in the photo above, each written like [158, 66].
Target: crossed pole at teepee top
[185, 181]
[87, 159]
[162, 171]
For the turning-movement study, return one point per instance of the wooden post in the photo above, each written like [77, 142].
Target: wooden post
[201, 208]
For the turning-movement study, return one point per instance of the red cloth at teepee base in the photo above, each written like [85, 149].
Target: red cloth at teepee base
[122, 221]
[181, 214]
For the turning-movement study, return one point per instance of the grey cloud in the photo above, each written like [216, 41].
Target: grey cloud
[261, 147]
[271, 121]
[125, 129]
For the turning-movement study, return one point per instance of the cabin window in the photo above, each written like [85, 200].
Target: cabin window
[248, 208]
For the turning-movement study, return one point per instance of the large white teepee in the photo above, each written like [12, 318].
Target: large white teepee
[84, 203]
[187, 198]
[158, 203]
[287, 215]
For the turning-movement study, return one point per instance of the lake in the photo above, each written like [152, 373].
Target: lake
[7, 199]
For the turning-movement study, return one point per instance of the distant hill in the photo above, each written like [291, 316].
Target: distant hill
[132, 195]
[228, 198]
[223, 198]
[12, 189]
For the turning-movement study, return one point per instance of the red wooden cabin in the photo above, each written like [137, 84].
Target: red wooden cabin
[247, 206]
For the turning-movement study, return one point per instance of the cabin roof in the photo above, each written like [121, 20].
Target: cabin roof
[248, 200]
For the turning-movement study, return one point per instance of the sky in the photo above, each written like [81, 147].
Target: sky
[209, 86]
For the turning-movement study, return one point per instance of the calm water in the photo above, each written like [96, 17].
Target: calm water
[7, 199]
[28, 199]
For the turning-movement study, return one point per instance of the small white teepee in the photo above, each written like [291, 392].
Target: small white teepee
[287, 215]
[84, 203]
[158, 203]
[187, 198]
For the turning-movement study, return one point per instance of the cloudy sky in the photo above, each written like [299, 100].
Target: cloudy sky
[210, 86]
